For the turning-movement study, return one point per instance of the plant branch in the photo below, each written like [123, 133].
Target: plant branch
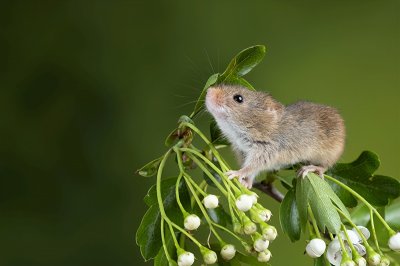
[270, 190]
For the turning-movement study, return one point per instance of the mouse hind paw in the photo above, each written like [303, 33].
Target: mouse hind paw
[243, 179]
[304, 170]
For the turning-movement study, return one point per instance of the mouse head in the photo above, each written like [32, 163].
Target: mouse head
[243, 108]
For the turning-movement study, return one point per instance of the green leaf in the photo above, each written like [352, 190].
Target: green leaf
[161, 258]
[244, 61]
[217, 138]
[233, 80]
[150, 168]
[359, 175]
[321, 205]
[324, 188]
[219, 216]
[200, 101]
[303, 189]
[148, 235]
[289, 216]
[344, 195]
[393, 215]
[360, 215]
[315, 192]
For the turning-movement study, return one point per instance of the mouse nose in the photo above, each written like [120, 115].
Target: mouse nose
[214, 96]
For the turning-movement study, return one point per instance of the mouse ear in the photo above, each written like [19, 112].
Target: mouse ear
[272, 105]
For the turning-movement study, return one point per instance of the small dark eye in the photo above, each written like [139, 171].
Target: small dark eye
[238, 98]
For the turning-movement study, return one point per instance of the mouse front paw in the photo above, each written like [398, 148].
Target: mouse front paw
[243, 179]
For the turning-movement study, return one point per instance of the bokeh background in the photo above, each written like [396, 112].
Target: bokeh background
[89, 90]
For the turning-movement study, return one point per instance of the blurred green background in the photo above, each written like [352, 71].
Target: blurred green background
[89, 90]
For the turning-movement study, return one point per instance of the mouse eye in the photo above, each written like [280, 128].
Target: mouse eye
[238, 98]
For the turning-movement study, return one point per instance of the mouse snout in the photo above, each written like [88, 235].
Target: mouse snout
[214, 97]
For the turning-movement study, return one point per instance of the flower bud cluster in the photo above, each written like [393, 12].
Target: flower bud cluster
[357, 252]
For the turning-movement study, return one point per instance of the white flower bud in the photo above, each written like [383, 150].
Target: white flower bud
[186, 259]
[191, 222]
[360, 261]
[353, 237]
[228, 252]
[363, 230]
[374, 259]
[269, 233]
[264, 256]
[210, 257]
[260, 244]
[265, 215]
[394, 242]
[210, 201]
[315, 248]
[249, 228]
[254, 197]
[244, 202]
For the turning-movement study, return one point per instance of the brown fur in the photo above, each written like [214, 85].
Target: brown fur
[271, 136]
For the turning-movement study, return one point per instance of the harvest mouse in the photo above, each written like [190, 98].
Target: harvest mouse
[268, 136]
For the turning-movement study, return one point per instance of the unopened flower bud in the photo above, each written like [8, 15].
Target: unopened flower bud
[244, 202]
[394, 242]
[228, 252]
[185, 259]
[237, 228]
[384, 262]
[260, 244]
[269, 232]
[264, 256]
[265, 215]
[211, 201]
[191, 222]
[249, 228]
[360, 261]
[209, 256]
[373, 258]
[363, 231]
[254, 197]
[315, 248]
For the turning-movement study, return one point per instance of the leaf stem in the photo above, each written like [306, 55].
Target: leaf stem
[173, 236]
[313, 222]
[203, 210]
[209, 143]
[228, 231]
[191, 154]
[365, 241]
[345, 255]
[353, 250]
[178, 200]
[164, 243]
[359, 197]
[371, 214]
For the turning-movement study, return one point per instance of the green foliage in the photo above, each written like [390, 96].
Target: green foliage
[359, 175]
[150, 168]
[314, 192]
[243, 63]
[289, 216]
[148, 235]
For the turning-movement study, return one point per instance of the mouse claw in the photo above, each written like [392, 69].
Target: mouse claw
[303, 171]
[242, 178]
[232, 174]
